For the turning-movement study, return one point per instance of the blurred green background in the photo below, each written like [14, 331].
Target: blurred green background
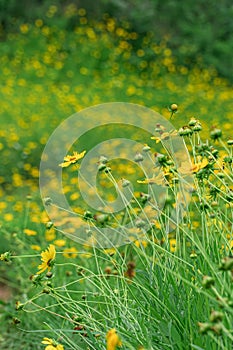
[197, 32]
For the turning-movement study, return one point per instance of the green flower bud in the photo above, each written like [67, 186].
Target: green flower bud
[185, 131]
[19, 305]
[228, 159]
[230, 142]
[217, 328]
[226, 264]
[192, 122]
[207, 281]
[173, 107]
[5, 257]
[87, 215]
[204, 327]
[103, 159]
[49, 274]
[138, 158]
[197, 127]
[101, 166]
[146, 148]
[216, 316]
[139, 223]
[107, 170]
[46, 291]
[125, 183]
[49, 224]
[47, 201]
[215, 134]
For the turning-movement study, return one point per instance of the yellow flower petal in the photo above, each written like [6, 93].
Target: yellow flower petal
[47, 341]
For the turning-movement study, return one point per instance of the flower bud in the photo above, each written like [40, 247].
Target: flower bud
[217, 328]
[230, 142]
[139, 223]
[49, 224]
[107, 170]
[47, 201]
[146, 148]
[197, 127]
[87, 215]
[207, 281]
[228, 159]
[103, 159]
[5, 257]
[138, 158]
[101, 166]
[204, 327]
[216, 133]
[216, 316]
[192, 122]
[18, 305]
[185, 131]
[108, 270]
[49, 274]
[226, 264]
[221, 175]
[46, 291]
[173, 107]
[125, 183]
[101, 218]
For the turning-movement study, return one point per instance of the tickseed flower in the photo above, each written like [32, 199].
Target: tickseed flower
[188, 168]
[157, 180]
[47, 257]
[70, 252]
[29, 232]
[113, 340]
[52, 344]
[68, 160]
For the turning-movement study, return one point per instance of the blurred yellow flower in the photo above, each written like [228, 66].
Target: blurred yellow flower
[72, 159]
[29, 232]
[113, 340]
[188, 167]
[47, 257]
[36, 247]
[70, 252]
[157, 180]
[52, 344]
[172, 242]
[60, 242]
[8, 217]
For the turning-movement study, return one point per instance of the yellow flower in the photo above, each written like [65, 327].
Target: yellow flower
[188, 168]
[113, 340]
[60, 242]
[157, 180]
[72, 159]
[29, 232]
[52, 344]
[47, 257]
[35, 247]
[70, 252]
[173, 247]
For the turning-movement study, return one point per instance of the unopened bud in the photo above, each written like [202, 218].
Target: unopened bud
[207, 281]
